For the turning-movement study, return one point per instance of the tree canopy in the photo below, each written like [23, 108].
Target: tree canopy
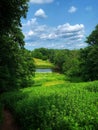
[11, 12]
[92, 39]
[89, 57]
[15, 69]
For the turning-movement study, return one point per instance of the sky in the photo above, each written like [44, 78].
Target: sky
[59, 24]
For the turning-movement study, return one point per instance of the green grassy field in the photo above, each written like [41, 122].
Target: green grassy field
[49, 79]
[42, 63]
[53, 103]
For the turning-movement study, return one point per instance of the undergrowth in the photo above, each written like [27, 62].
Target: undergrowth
[67, 106]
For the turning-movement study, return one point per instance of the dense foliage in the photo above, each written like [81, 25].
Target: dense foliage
[10, 14]
[65, 61]
[41, 53]
[78, 65]
[16, 66]
[54, 103]
[92, 39]
[71, 106]
[89, 57]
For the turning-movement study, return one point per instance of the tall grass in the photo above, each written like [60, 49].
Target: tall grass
[67, 106]
[49, 79]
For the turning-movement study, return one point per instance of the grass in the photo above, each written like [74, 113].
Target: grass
[42, 63]
[55, 104]
[48, 79]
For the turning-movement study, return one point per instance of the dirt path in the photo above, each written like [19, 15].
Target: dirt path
[8, 122]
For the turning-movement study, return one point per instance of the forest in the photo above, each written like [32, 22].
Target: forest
[66, 99]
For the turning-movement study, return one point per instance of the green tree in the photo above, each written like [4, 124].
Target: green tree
[92, 39]
[59, 59]
[41, 53]
[11, 12]
[12, 54]
[89, 57]
[71, 64]
[26, 69]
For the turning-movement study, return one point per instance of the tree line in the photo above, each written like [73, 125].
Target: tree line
[16, 63]
[78, 65]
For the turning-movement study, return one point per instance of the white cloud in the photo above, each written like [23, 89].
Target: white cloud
[33, 21]
[40, 13]
[31, 33]
[65, 35]
[50, 36]
[69, 28]
[72, 9]
[41, 1]
[41, 28]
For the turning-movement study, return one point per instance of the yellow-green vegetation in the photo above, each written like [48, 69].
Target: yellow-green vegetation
[49, 79]
[55, 104]
[42, 63]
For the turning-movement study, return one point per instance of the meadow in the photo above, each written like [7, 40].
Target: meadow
[42, 63]
[53, 103]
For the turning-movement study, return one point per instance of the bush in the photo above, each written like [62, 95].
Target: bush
[54, 108]
[92, 87]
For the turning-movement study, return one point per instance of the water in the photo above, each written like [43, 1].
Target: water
[44, 70]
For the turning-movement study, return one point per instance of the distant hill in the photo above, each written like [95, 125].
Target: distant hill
[39, 63]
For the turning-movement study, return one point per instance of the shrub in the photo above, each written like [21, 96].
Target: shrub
[54, 108]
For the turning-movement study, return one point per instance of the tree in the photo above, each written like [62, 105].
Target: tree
[89, 57]
[92, 39]
[12, 54]
[59, 59]
[71, 64]
[41, 53]
[26, 69]
[11, 12]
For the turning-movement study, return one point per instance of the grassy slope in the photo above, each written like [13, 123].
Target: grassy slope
[42, 63]
[55, 104]
[48, 79]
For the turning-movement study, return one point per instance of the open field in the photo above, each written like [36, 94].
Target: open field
[55, 104]
[42, 63]
[49, 79]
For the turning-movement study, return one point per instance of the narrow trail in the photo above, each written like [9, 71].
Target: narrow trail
[8, 122]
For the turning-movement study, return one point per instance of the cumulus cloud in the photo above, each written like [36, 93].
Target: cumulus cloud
[72, 9]
[65, 35]
[41, 1]
[40, 13]
[69, 28]
[31, 22]
[50, 36]
[31, 33]
[65, 31]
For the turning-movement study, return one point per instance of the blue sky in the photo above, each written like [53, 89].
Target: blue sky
[59, 23]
